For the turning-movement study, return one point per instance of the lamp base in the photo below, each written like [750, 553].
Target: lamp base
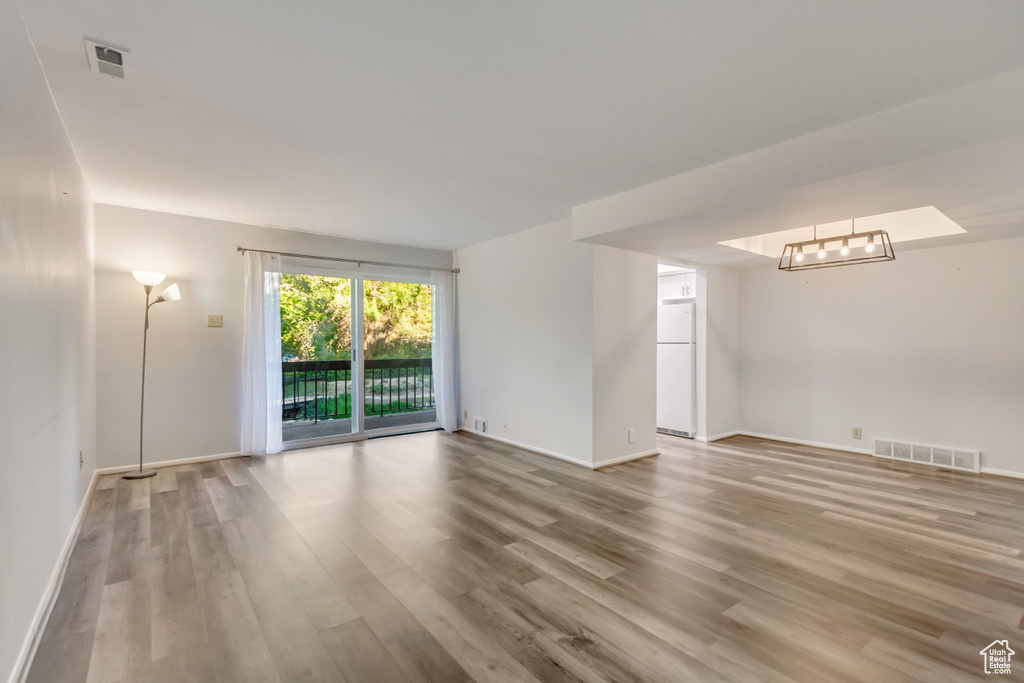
[140, 475]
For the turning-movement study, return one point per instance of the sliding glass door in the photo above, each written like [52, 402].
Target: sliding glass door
[319, 388]
[397, 339]
[334, 389]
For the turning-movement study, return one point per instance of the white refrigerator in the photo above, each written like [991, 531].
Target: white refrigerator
[677, 370]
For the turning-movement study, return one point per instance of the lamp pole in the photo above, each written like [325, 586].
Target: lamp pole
[148, 280]
[143, 474]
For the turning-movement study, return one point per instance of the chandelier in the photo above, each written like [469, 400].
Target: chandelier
[854, 248]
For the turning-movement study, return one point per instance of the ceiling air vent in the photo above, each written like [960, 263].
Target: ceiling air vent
[104, 59]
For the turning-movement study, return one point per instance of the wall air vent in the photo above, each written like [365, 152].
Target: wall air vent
[106, 60]
[939, 456]
[676, 432]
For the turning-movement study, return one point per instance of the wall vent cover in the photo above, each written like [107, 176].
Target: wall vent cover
[939, 456]
[676, 432]
[104, 59]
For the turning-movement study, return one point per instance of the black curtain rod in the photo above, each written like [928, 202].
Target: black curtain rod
[358, 262]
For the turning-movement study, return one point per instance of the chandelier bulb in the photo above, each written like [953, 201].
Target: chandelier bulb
[821, 250]
[871, 244]
[799, 253]
[846, 246]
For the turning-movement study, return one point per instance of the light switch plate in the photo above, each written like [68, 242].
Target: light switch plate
[215, 321]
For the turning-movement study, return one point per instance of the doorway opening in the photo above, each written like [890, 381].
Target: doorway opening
[677, 351]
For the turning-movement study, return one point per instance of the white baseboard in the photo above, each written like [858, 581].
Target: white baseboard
[1002, 473]
[624, 458]
[532, 449]
[560, 456]
[864, 451]
[168, 463]
[35, 632]
[804, 442]
[716, 437]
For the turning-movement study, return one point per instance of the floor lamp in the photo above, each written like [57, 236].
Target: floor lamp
[149, 280]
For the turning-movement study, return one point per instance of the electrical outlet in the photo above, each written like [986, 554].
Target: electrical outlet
[215, 321]
[631, 435]
[465, 414]
[81, 460]
[856, 433]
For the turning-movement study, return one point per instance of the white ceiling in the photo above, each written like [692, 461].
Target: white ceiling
[444, 124]
[961, 151]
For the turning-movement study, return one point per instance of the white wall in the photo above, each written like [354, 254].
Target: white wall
[193, 378]
[722, 346]
[718, 341]
[558, 344]
[625, 353]
[46, 338]
[928, 348]
[526, 338]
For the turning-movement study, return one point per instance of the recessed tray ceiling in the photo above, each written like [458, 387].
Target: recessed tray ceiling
[902, 226]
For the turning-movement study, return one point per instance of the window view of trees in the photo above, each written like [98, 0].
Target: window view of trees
[316, 318]
[397, 320]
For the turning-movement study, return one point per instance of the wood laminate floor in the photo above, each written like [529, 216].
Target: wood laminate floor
[435, 557]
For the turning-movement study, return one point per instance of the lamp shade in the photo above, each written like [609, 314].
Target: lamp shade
[149, 278]
[171, 293]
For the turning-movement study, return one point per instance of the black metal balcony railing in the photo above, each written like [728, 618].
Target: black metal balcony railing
[322, 390]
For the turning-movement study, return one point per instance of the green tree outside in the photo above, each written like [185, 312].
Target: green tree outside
[397, 319]
[316, 318]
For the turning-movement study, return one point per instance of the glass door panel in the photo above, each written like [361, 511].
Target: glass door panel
[398, 382]
[319, 389]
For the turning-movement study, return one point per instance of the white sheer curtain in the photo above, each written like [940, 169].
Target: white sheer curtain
[444, 350]
[261, 355]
